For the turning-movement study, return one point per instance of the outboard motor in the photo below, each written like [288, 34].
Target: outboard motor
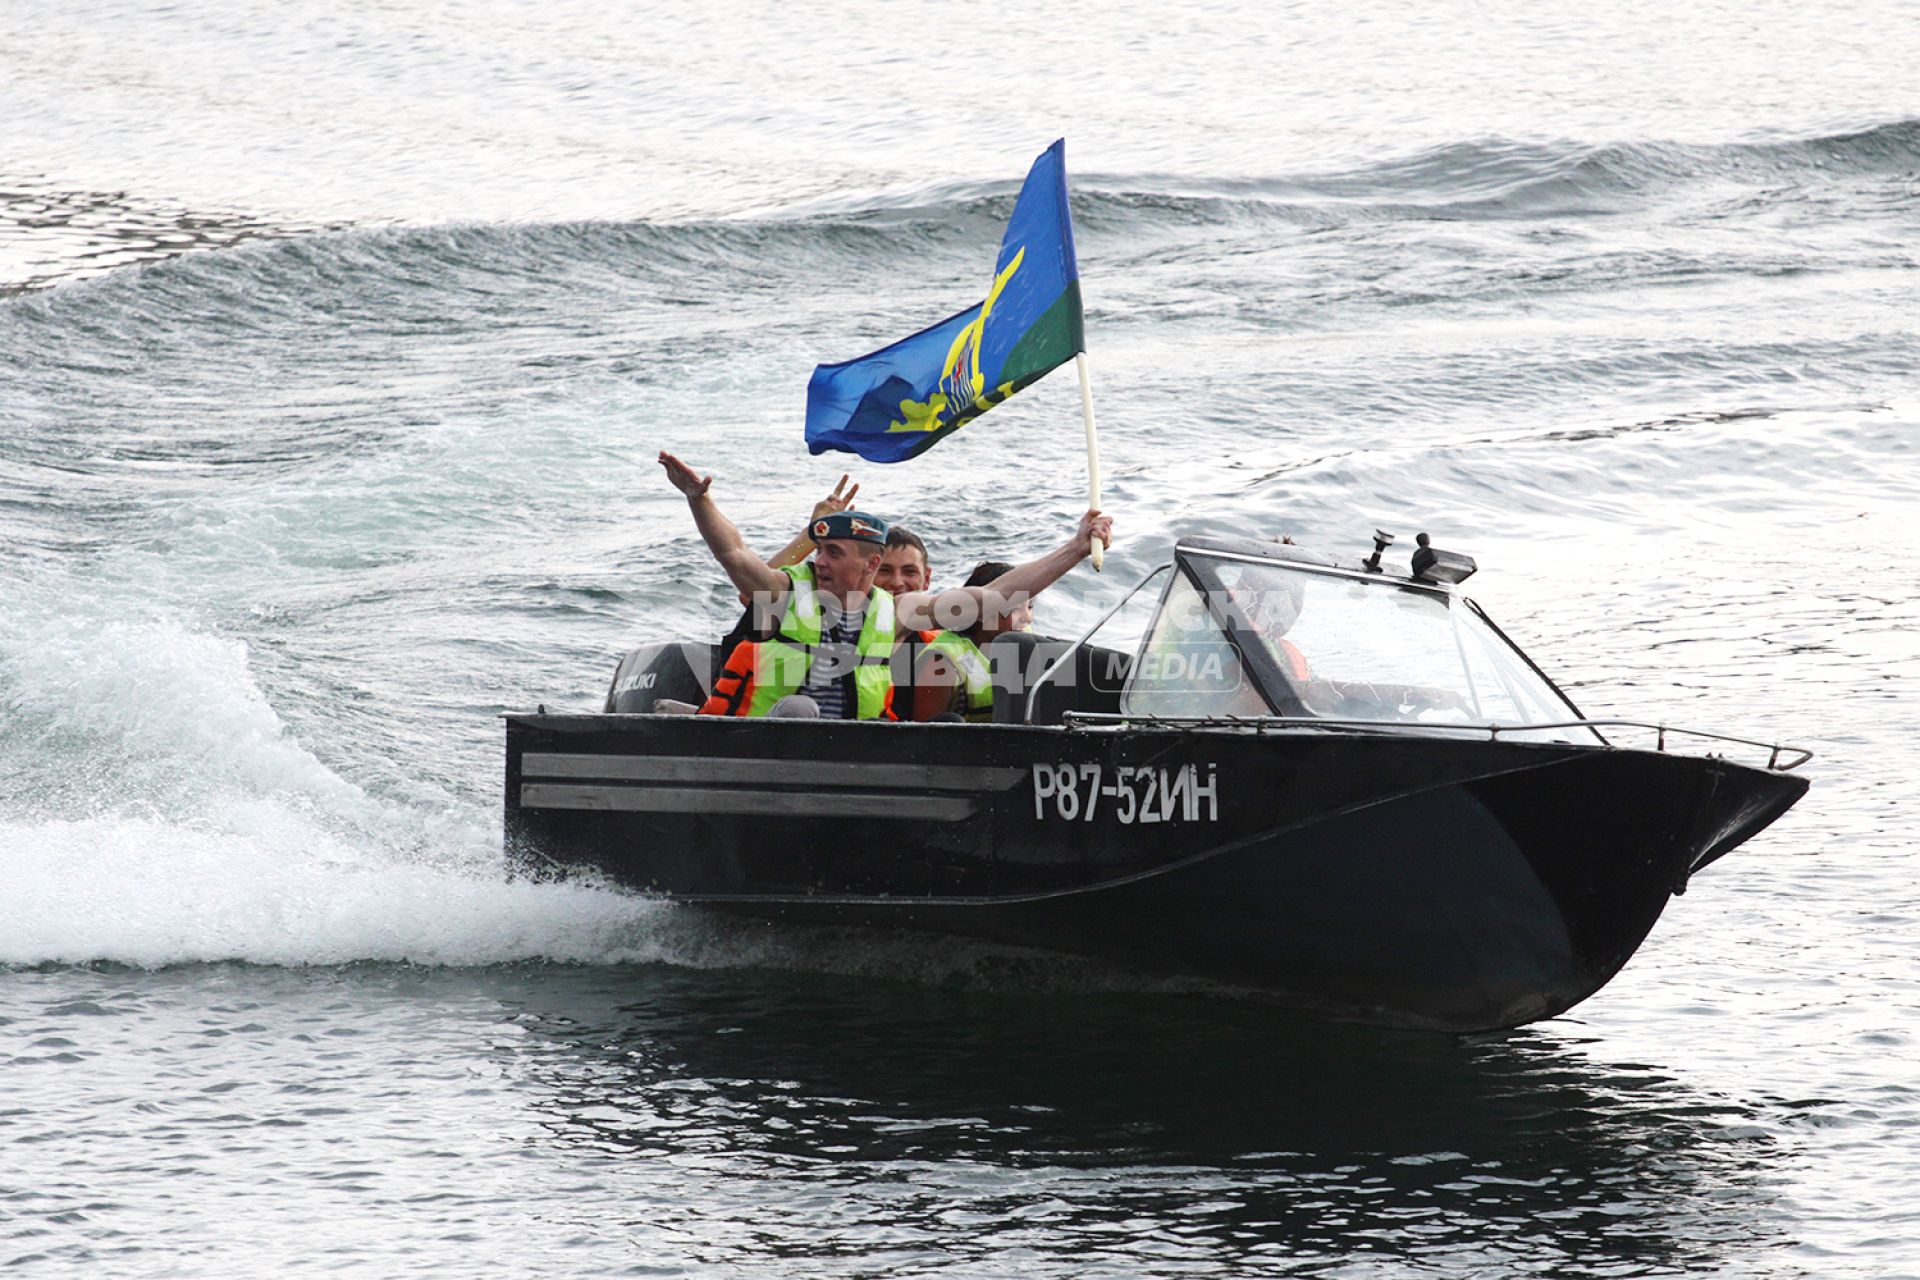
[683, 671]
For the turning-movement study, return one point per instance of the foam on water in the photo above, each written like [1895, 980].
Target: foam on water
[267, 884]
[156, 695]
[158, 811]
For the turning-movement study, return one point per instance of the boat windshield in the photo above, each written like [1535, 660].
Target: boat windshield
[1246, 638]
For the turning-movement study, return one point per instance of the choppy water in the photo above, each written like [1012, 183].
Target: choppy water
[334, 348]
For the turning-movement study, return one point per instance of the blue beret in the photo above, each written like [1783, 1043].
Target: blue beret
[857, 525]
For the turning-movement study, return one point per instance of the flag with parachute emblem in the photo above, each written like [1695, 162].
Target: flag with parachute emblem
[901, 400]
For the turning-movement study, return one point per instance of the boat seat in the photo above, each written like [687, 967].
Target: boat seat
[1090, 681]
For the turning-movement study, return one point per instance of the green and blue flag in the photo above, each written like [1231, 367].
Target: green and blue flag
[897, 402]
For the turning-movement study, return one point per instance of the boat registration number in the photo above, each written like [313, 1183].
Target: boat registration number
[1131, 793]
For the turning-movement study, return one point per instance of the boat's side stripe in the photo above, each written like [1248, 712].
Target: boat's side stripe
[880, 776]
[765, 804]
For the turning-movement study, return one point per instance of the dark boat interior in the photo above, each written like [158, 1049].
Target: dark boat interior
[1090, 680]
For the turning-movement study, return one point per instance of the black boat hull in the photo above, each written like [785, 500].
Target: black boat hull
[1393, 879]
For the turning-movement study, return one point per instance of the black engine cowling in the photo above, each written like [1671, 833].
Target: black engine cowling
[682, 671]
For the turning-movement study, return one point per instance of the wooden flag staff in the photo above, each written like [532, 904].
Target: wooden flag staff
[1093, 448]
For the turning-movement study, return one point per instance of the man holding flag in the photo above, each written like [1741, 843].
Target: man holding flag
[893, 405]
[900, 401]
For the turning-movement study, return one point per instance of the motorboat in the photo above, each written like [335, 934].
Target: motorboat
[1320, 780]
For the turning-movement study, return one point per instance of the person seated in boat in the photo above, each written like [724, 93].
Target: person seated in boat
[945, 674]
[1269, 611]
[952, 676]
[828, 655]
[824, 628]
[1267, 606]
[903, 565]
[931, 695]
[904, 568]
[1019, 616]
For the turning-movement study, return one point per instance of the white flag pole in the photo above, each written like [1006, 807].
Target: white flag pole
[1093, 448]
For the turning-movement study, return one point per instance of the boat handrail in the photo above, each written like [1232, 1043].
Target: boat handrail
[1799, 755]
[1026, 716]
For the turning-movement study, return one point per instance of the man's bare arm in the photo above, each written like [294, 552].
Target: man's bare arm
[793, 553]
[748, 572]
[959, 608]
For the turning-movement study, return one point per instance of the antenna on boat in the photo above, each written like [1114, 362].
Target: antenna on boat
[1381, 541]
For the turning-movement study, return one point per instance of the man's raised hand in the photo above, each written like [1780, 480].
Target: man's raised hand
[683, 477]
[1093, 525]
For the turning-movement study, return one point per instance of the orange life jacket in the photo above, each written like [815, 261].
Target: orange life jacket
[1296, 662]
[733, 688]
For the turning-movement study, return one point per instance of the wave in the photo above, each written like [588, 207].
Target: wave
[1491, 176]
[1486, 176]
[132, 890]
[159, 810]
[1484, 179]
[64, 234]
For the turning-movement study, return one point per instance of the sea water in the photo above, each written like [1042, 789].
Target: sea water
[337, 341]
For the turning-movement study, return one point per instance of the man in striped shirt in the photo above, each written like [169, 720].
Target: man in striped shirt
[836, 656]
[844, 569]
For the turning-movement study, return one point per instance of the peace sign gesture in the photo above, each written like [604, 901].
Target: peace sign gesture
[836, 501]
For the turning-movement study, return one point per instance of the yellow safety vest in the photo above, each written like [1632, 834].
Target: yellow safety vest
[975, 672]
[781, 664]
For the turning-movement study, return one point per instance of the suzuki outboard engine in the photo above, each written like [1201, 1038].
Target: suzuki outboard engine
[683, 671]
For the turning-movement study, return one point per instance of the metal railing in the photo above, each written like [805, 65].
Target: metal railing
[1798, 755]
[1026, 715]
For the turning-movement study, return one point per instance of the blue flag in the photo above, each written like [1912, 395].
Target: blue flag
[897, 402]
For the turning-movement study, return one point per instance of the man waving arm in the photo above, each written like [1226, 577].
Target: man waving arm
[752, 575]
[961, 608]
[1035, 576]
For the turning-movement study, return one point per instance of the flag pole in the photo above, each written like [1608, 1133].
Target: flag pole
[1093, 448]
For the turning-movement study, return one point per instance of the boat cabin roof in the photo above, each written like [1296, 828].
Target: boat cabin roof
[1255, 629]
[1265, 549]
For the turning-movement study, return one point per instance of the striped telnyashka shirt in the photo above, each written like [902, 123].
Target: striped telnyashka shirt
[832, 663]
